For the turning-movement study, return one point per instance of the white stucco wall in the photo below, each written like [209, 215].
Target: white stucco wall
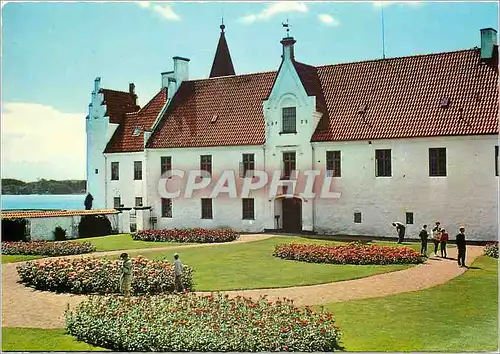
[43, 228]
[99, 132]
[125, 187]
[226, 211]
[467, 196]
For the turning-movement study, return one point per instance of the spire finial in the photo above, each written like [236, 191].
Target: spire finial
[222, 26]
[287, 26]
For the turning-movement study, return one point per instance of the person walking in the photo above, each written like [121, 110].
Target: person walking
[400, 228]
[443, 240]
[126, 275]
[460, 241]
[178, 270]
[436, 235]
[424, 235]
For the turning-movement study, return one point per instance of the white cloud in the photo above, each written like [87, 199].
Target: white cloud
[328, 20]
[274, 9]
[389, 3]
[39, 141]
[165, 11]
[144, 4]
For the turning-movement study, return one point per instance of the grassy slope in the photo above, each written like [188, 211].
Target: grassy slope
[248, 265]
[123, 242]
[461, 315]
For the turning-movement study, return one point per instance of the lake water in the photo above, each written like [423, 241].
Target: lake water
[47, 201]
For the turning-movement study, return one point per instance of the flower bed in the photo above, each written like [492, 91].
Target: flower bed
[195, 235]
[47, 248]
[100, 276]
[353, 253]
[201, 323]
[491, 249]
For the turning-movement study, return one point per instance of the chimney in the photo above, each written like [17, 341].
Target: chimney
[488, 42]
[288, 53]
[97, 84]
[131, 90]
[181, 71]
[147, 135]
[164, 78]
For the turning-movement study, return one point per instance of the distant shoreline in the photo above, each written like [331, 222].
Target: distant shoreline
[12, 186]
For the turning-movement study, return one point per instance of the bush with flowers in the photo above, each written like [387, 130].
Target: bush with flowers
[190, 322]
[100, 276]
[195, 235]
[491, 249]
[352, 253]
[47, 248]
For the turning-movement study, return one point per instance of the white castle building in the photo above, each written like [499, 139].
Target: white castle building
[411, 139]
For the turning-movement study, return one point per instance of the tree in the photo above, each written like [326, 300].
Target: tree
[88, 201]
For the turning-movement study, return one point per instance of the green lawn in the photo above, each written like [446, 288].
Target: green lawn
[18, 258]
[47, 340]
[252, 265]
[123, 242]
[461, 315]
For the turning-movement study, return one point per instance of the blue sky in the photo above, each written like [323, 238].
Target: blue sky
[51, 53]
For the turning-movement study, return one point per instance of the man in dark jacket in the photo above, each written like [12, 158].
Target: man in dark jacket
[424, 235]
[460, 241]
[400, 228]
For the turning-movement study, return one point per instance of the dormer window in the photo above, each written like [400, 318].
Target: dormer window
[137, 131]
[444, 103]
[289, 119]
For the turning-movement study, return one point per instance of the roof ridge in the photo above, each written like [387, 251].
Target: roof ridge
[117, 91]
[233, 76]
[400, 57]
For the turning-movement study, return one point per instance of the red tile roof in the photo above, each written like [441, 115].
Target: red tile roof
[402, 97]
[123, 139]
[29, 214]
[118, 103]
[234, 102]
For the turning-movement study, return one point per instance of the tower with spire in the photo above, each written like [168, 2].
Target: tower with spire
[222, 65]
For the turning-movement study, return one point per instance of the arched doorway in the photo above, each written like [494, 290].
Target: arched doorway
[291, 214]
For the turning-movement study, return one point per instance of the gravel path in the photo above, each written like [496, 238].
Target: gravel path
[26, 307]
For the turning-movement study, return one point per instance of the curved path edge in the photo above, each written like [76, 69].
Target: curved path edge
[25, 307]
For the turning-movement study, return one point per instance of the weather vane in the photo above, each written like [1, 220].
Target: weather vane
[287, 26]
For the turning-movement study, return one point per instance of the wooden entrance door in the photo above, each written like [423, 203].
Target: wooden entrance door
[292, 215]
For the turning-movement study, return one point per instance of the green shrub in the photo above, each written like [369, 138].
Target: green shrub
[59, 234]
[212, 323]
[93, 226]
[14, 230]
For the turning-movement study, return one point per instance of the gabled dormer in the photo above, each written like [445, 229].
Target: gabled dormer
[295, 103]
